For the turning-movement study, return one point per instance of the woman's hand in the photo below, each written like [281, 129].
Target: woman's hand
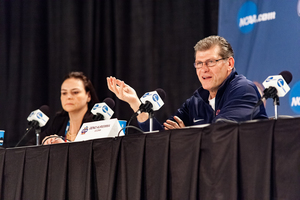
[52, 139]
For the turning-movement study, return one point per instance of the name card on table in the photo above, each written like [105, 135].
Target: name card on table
[99, 129]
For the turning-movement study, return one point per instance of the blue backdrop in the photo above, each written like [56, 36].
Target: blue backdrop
[265, 35]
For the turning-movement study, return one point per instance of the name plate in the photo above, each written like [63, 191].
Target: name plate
[99, 129]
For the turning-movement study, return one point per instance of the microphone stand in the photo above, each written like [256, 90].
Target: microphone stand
[151, 115]
[37, 133]
[276, 104]
[272, 92]
[147, 107]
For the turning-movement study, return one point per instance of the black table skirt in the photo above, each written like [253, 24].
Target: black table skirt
[255, 161]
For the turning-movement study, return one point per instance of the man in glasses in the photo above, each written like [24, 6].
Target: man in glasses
[223, 96]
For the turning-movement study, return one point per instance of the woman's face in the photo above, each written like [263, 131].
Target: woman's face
[73, 96]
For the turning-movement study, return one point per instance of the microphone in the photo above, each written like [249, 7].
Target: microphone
[152, 101]
[103, 111]
[276, 86]
[36, 119]
[39, 118]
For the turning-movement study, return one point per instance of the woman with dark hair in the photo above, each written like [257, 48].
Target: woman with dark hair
[77, 97]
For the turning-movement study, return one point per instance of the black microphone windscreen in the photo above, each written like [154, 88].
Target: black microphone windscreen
[45, 109]
[287, 76]
[161, 93]
[110, 102]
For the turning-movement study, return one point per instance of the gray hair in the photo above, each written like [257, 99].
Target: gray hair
[226, 50]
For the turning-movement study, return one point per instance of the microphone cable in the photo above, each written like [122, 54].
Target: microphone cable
[131, 118]
[26, 133]
[126, 127]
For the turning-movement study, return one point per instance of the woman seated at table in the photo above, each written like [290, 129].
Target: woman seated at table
[77, 97]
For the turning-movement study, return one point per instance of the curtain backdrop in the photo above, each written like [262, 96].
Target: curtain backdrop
[148, 44]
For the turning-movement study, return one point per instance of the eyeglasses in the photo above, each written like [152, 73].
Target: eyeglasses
[209, 63]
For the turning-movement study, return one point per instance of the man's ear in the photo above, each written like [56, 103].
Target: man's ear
[230, 63]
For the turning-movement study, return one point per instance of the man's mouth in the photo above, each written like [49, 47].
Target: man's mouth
[206, 77]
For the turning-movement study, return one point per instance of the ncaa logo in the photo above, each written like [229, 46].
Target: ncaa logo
[248, 17]
[39, 115]
[105, 109]
[95, 106]
[31, 114]
[295, 98]
[146, 94]
[280, 82]
[269, 79]
[155, 97]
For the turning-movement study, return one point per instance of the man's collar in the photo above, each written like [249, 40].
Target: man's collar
[226, 82]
